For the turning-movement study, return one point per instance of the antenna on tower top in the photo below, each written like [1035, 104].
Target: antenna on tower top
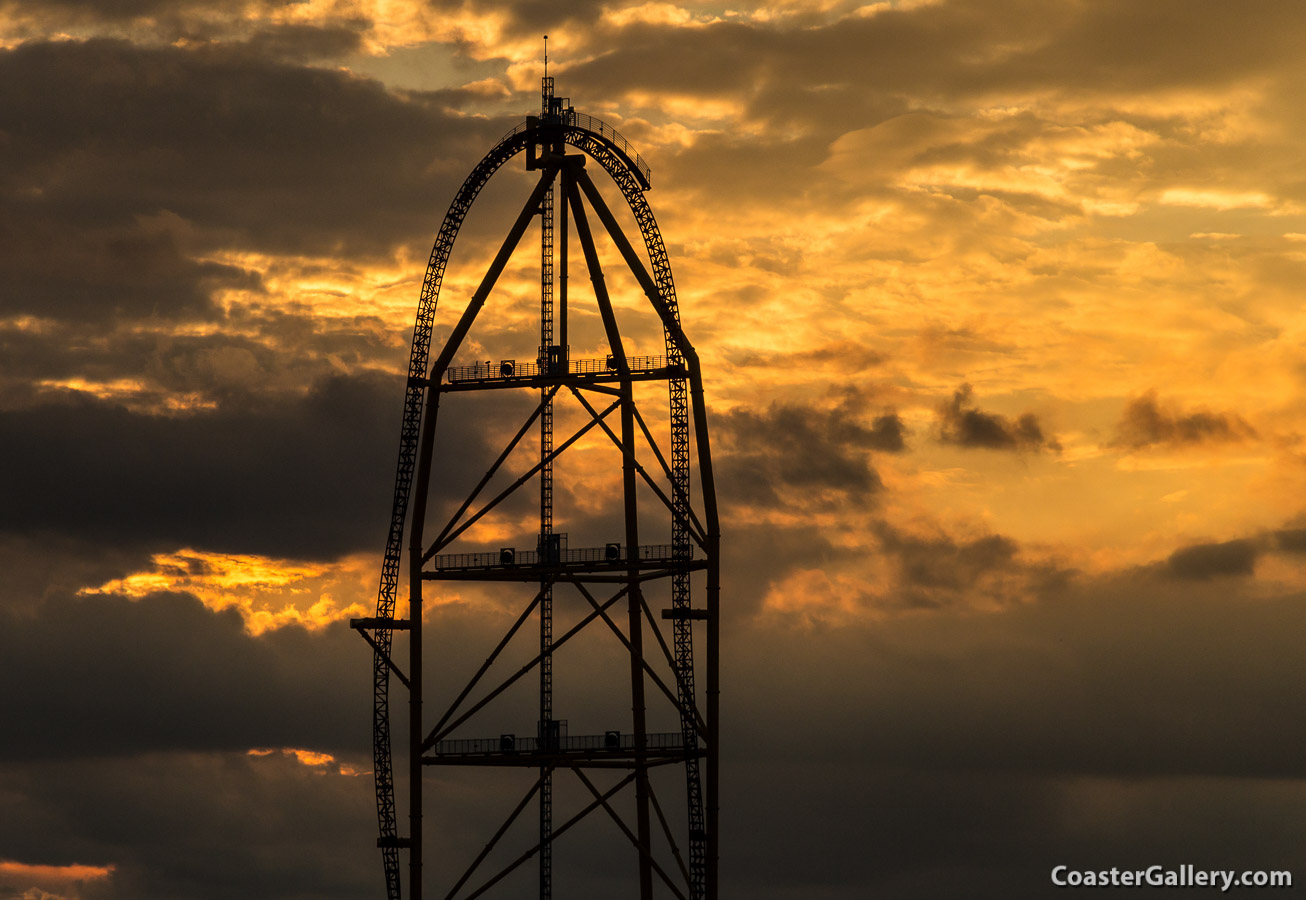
[546, 85]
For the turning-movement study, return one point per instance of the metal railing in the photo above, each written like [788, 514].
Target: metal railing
[511, 369]
[516, 130]
[604, 130]
[509, 743]
[511, 557]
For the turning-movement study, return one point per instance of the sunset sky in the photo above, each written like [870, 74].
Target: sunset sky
[999, 308]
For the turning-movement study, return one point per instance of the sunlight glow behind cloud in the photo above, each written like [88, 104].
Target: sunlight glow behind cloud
[268, 593]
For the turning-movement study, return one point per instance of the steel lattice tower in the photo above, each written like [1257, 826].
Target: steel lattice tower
[602, 389]
[547, 543]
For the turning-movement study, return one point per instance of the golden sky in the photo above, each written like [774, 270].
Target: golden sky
[999, 308]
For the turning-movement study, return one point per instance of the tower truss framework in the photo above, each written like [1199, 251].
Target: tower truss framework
[673, 859]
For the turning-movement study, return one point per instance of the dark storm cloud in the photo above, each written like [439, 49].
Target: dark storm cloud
[757, 59]
[130, 162]
[129, 745]
[534, 17]
[1162, 696]
[111, 10]
[1236, 558]
[757, 556]
[213, 826]
[990, 835]
[303, 475]
[237, 24]
[293, 477]
[972, 747]
[887, 433]
[304, 43]
[196, 826]
[787, 446]
[1203, 561]
[264, 352]
[1147, 423]
[106, 675]
[939, 571]
[288, 353]
[859, 72]
[38, 568]
[844, 355]
[1290, 540]
[1122, 45]
[922, 826]
[950, 49]
[1125, 675]
[105, 271]
[962, 424]
[944, 562]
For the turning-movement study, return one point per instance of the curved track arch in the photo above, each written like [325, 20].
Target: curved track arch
[607, 148]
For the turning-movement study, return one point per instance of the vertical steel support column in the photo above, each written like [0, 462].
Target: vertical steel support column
[545, 727]
[634, 594]
[562, 285]
[713, 622]
[636, 628]
[702, 824]
[421, 490]
[415, 732]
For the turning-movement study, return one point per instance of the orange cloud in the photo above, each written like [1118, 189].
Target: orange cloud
[313, 759]
[268, 593]
[31, 881]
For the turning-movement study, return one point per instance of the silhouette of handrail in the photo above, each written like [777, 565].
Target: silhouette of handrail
[604, 130]
[511, 557]
[510, 370]
[509, 743]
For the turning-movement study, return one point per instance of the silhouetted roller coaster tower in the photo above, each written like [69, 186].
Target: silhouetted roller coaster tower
[657, 789]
